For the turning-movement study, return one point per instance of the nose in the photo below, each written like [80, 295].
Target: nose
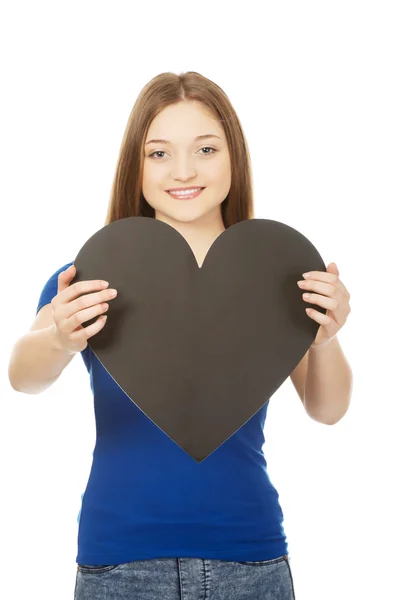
[183, 169]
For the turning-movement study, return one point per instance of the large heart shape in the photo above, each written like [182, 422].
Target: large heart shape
[201, 350]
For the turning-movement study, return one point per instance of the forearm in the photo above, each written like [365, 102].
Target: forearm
[37, 361]
[328, 384]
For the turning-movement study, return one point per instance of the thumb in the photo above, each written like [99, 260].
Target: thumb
[65, 277]
[332, 268]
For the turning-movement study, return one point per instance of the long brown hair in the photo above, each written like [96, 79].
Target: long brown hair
[163, 90]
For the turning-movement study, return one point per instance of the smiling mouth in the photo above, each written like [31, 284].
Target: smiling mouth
[185, 195]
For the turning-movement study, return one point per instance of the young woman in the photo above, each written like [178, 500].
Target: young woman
[155, 524]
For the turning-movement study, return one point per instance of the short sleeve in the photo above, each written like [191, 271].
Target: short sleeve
[50, 288]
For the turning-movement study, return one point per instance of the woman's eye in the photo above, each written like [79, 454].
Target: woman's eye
[156, 152]
[204, 148]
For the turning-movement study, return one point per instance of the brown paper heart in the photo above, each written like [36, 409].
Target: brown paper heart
[201, 350]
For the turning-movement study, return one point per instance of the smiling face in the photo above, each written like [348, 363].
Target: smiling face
[186, 162]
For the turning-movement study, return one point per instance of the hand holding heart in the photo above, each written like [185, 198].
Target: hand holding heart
[330, 294]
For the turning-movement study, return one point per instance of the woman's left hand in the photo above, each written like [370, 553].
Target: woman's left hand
[330, 294]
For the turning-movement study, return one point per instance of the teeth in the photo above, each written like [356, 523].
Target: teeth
[186, 192]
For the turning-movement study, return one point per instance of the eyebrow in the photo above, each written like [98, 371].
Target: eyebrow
[199, 137]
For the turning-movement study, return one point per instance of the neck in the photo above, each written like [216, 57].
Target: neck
[199, 234]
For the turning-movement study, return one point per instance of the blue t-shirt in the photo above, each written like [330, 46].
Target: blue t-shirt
[147, 498]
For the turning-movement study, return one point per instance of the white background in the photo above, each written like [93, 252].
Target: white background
[316, 87]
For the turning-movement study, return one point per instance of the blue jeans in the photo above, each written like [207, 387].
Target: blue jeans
[186, 579]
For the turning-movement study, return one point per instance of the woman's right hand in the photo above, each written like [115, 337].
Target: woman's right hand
[71, 309]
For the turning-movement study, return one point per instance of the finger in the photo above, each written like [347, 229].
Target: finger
[81, 316]
[65, 277]
[87, 332]
[328, 278]
[326, 289]
[81, 288]
[318, 316]
[324, 301]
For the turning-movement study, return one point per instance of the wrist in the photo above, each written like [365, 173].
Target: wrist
[56, 341]
[317, 347]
